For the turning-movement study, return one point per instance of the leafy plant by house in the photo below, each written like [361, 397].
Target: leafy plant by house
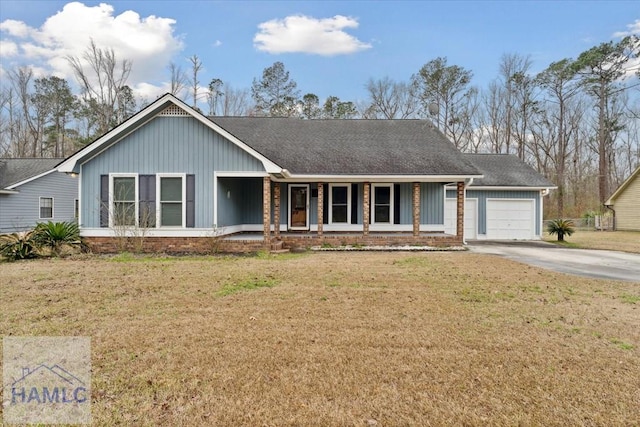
[17, 246]
[561, 227]
[55, 235]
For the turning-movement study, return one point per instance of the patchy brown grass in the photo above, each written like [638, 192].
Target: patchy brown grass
[626, 241]
[338, 339]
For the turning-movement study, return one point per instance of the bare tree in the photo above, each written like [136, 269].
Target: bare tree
[234, 102]
[101, 77]
[389, 99]
[178, 79]
[196, 66]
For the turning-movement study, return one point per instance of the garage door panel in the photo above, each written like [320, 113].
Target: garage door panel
[470, 217]
[510, 219]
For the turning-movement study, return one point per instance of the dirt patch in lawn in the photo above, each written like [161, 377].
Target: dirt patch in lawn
[338, 339]
[625, 241]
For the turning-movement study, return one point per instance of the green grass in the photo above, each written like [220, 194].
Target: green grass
[247, 285]
[630, 299]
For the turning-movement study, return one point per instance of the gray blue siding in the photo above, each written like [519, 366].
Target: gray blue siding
[169, 145]
[19, 212]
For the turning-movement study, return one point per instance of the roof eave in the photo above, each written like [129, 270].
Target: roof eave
[290, 177]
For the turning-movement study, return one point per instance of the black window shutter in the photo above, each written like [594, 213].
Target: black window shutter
[104, 200]
[354, 203]
[396, 203]
[191, 195]
[147, 202]
[325, 203]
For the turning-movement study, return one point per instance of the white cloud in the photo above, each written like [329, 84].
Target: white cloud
[217, 43]
[8, 48]
[632, 29]
[148, 42]
[305, 34]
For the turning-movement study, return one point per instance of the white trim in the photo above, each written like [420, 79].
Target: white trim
[241, 174]
[80, 199]
[373, 204]
[306, 227]
[159, 177]
[215, 198]
[143, 116]
[136, 196]
[53, 215]
[17, 184]
[373, 178]
[502, 188]
[340, 185]
[9, 192]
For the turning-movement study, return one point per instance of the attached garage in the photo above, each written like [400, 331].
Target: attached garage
[470, 218]
[511, 219]
[505, 204]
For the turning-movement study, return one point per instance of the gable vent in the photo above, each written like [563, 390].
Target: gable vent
[173, 110]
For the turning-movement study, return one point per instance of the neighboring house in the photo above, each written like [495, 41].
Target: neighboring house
[625, 203]
[507, 203]
[185, 177]
[32, 191]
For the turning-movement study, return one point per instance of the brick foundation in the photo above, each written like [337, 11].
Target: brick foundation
[213, 245]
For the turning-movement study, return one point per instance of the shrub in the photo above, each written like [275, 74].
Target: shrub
[18, 246]
[55, 235]
[560, 227]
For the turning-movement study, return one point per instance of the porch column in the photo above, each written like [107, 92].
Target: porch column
[266, 209]
[365, 209]
[416, 209]
[460, 210]
[320, 207]
[276, 210]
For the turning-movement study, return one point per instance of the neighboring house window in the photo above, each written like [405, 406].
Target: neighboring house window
[382, 204]
[171, 200]
[124, 206]
[46, 207]
[340, 203]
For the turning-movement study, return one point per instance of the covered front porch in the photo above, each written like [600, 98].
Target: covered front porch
[303, 214]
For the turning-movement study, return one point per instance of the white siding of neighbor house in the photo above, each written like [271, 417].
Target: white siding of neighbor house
[627, 207]
[167, 145]
[19, 212]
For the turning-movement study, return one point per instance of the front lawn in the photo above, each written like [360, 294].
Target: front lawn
[625, 241]
[338, 339]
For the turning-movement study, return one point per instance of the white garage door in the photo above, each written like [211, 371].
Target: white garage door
[510, 219]
[470, 217]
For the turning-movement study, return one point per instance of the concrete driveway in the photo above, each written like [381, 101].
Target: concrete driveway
[582, 262]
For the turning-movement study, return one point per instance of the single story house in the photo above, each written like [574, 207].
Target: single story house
[255, 182]
[32, 191]
[625, 203]
[506, 203]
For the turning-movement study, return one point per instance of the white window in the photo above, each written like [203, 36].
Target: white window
[171, 200]
[339, 203]
[46, 207]
[382, 202]
[124, 200]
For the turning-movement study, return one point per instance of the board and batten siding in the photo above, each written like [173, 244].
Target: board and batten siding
[19, 212]
[483, 195]
[167, 145]
[627, 207]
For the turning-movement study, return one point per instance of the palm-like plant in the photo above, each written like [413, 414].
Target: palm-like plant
[560, 227]
[55, 235]
[16, 246]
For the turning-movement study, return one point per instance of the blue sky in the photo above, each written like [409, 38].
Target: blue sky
[329, 47]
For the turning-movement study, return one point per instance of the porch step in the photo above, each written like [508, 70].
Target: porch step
[277, 247]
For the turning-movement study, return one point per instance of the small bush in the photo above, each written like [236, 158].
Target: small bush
[17, 246]
[55, 235]
[560, 227]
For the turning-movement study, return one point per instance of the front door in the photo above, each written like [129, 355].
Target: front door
[299, 207]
